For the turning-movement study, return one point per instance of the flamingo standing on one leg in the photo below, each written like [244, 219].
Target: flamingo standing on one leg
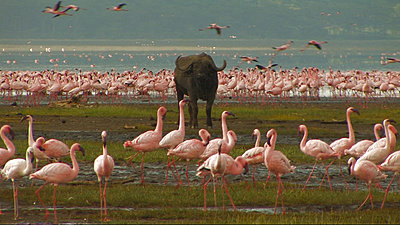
[342, 144]
[103, 166]
[277, 163]
[147, 141]
[391, 163]
[191, 149]
[57, 173]
[367, 171]
[318, 149]
[6, 154]
[15, 169]
[175, 137]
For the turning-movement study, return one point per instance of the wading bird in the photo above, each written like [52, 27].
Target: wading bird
[314, 43]
[118, 7]
[57, 173]
[15, 169]
[103, 166]
[215, 27]
[147, 141]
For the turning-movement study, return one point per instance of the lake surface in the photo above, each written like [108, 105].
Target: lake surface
[122, 55]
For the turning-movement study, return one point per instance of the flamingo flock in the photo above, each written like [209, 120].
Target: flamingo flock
[214, 162]
[259, 85]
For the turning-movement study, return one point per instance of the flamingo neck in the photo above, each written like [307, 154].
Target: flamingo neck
[31, 139]
[224, 127]
[75, 165]
[387, 132]
[257, 144]
[28, 165]
[303, 141]
[181, 119]
[9, 144]
[392, 137]
[159, 125]
[350, 127]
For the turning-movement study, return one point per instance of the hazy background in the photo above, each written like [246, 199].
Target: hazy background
[181, 19]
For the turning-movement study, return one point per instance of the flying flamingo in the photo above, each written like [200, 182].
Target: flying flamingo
[380, 152]
[57, 173]
[103, 166]
[175, 137]
[15, 169]
[215, 27]
[118, 7]
[342, 144]
[56, 10]
[277, 163]
[279, 49]
[391, 163]
[367, 171]
[147, 141]
[190, 149]
[314, 43]
[254, 155]
[318, 149]
[391, 60]
[212, 147]
[219, 165]
[359, 148]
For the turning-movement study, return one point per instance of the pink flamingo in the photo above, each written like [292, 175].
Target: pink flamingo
[147, 141]
[118, 7]
[55, 10]
[318, 149]
[215, 27]
[175, 137]
[53, 148]
[212, 147]
[391, 163]
[103, 166]
[277, 163]
[254, 155]
[314, 43]
[57, 173]
[367, 171]
[342, 144]
[379, 153]
[6, 154]
[190, 149]
[219, 165]
[359, 148]
[15, 169]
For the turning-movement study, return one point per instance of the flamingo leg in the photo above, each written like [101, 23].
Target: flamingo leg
[101, 201]
[205, 194]
[130, 161]
[15, 191]
[327, 175]
[387, 190]
[215, 192]
[179, 177]
[269, 176]
[341, 173]
[187, 174]
[141, 167]
[54, 204]
[309, 176]
[105, 201]
[41, 201]
[168, 165]
[368, 196]
[227, 192]
[254, 179]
